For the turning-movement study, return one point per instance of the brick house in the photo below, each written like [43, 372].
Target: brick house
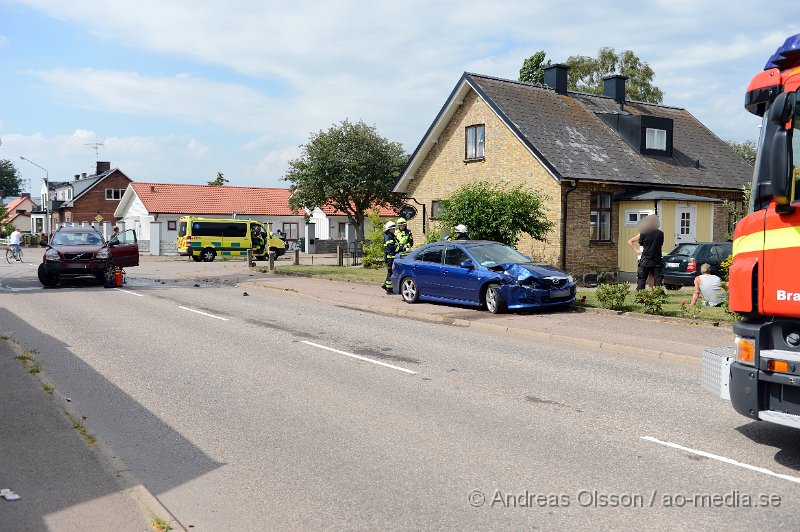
[602, 162]
[84, 198]
[18, 213]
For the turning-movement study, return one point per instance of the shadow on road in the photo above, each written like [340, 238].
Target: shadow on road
[778, 436]
[158, 455]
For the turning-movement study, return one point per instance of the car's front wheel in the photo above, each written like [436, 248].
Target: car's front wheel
[409, 290]
[672, 286]
[100, 276]
[494, 301]
[44, 278]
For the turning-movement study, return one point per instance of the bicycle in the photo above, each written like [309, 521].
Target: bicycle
[12, 256]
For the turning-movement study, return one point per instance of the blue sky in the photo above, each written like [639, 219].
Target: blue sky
[179, 90]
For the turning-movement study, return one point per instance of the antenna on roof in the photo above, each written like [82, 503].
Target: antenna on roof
[96, 147]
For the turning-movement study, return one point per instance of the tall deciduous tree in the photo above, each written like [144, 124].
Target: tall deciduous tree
[219, 181]
[532, 70]
[586, 74]
[349, 167]
[747, 150]
[492, 212]
[10, 182]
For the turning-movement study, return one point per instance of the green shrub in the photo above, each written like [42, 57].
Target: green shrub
[433, 235]
[373, 246]
[652, 299]
[612, 296]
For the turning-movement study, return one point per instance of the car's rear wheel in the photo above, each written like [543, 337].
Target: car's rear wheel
[494, 301]
[672, 286]
[197, 258]
[44, 278]
[208, 255]
[409, 290]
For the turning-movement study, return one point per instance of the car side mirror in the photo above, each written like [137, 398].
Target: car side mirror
[781, 181]
[467, 265]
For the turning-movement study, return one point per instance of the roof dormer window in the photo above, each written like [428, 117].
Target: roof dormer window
[656, 139]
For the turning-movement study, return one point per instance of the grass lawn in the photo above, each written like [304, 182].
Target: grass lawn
[672, 308]
[349, 273]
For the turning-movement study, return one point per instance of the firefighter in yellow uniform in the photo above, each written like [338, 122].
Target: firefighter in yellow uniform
[405, 240]
[390, 250]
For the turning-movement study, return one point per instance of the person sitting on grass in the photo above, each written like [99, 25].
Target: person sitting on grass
[710, 287]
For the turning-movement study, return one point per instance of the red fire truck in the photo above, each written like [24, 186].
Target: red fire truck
[761, 374]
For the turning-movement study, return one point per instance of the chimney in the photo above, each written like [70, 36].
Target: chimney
[614, 87]
[25, 195]
[102, 167]
[77, 177]
[555, 77]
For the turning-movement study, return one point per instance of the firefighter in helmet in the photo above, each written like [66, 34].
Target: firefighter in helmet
[405, 239]
[390, 250]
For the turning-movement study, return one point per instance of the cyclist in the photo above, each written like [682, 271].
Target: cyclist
[14, 241]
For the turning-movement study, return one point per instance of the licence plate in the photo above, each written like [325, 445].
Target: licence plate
[555, 294]
[673, 264]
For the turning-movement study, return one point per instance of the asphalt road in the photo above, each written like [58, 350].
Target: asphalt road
[275, 411]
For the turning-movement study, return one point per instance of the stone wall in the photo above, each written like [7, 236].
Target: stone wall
[329, 246]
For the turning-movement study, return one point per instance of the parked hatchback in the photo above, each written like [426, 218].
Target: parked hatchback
[682, 264]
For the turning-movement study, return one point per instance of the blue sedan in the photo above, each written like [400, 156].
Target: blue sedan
[480, 273]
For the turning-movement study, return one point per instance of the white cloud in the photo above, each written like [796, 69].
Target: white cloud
[306, 64]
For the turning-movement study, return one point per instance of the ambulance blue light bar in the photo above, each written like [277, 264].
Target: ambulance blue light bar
[786, 55]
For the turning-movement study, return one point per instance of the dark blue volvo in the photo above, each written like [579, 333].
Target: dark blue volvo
[480, 273]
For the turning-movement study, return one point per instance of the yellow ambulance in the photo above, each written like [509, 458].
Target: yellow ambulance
[205, 238]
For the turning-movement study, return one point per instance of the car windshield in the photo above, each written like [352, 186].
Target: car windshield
[685, 250]
[488, 255]
[76, 239]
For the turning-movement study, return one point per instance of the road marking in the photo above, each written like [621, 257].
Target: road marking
[359, 357]
[204, 313]
[723, 459]
[129, 292]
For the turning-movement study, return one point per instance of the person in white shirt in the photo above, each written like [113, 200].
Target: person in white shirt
[710, 287]
[14, 241]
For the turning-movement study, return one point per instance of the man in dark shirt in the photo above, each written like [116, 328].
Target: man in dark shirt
[651, 240]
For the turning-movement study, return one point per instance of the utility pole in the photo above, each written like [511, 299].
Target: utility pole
[47, 188]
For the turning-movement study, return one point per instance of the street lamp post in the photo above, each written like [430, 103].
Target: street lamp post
[47, 188]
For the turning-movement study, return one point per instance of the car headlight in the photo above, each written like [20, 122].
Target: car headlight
[103, 254]
[52, 254]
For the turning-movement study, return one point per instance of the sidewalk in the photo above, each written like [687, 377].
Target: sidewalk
[624, 334]
[62, 482]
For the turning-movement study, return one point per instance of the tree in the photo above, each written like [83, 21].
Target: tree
[747, 150]
[349, 167]
[586, 74]
[532, 70]
[10, 182]
[219, 181]
[492, 212]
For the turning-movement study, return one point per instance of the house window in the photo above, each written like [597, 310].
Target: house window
[600, 218]
[114, 193]
[435, 209]
[475, 142]
[342, 230]
[632, 218]
[291, 230]
[655, 139]
[172, 225]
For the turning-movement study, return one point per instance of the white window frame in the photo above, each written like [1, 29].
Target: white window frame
[655, 139]
[114, 191]
[640, 214]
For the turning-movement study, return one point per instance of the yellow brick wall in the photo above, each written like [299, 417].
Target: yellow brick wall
[507, 161]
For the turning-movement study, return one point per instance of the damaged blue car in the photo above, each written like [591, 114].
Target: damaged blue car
[480, 273]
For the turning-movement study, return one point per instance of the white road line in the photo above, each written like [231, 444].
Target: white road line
[359, 357]
[204, 313]
[723, 459]
[129, 292]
